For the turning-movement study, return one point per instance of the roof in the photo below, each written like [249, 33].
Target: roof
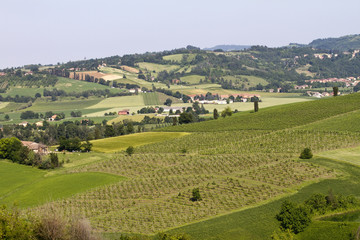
[33, 145]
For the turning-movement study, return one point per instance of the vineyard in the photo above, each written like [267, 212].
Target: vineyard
[239, 162]
[232, 169]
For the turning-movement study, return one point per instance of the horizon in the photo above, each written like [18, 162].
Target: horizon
[43, 32]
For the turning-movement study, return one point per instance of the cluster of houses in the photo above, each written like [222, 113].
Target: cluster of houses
[349, 81]
[222, 99]
[2, 74]
[320, 95]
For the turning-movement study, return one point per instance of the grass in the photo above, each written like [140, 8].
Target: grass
[116, 144]
[26, 186]
[344, 122]
[279, 117]
[157, 67]
[70, 85]
[178, 57]
[58, 106]
[135, 118]
[151, 98]
[116, 102]
[349, 155]
[192, 79]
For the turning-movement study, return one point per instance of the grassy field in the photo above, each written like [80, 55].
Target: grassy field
[344, 122]
[192, 79]
[156, 67]
[135, 118]
[280, 117]
[178, 57]
[26, 186]
[151, 98]
[118, 102]
[116, 144]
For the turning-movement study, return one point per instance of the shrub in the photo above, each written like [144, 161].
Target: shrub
[130, 150]
[14, 226]
[306, 154]
[196, 195]
[293, 217]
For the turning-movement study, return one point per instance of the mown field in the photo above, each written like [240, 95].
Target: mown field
[24, 186]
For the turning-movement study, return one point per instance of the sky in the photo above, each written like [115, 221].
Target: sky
[52, 31]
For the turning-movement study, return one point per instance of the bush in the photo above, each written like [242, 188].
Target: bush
[14, 226]
[306, 154]
[196, 195]
[293, 217]
[130, 150]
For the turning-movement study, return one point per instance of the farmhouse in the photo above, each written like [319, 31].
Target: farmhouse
[53, 118]
[124, 112]
[24, 124]
[36, 147]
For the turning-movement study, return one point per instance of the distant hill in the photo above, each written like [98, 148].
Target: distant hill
[344, 43]
[228, 47]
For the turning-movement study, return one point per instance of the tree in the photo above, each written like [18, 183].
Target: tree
[256, 106]
[168, 102]
[9, 148]
[336, 91]
[130, 150]
[87, 146]
[186, 118]
[226, 112]
[196, 195]
[109, 131]
[7, 117]
[130, 127]
[306, 154]
[174, 121]
[294, 217]
[216, 114]
[37, 95]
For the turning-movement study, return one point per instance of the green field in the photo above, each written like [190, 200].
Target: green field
[192, 79]
[280, 117]
[118, 102]
[151, 98]
[25, 186]
[157, 67]
[178, 57]
[116, 144]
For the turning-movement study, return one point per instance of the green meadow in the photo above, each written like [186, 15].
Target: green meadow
[26, 186]
[116, 144]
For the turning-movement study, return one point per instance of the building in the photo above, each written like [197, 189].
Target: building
[24, 124]
[36, 147]
[53, 118]
[124, 112]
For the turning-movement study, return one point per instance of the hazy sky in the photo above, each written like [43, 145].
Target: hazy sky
[51, 31]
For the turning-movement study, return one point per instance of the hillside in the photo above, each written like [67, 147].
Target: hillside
[345, 43]
[243, 165]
